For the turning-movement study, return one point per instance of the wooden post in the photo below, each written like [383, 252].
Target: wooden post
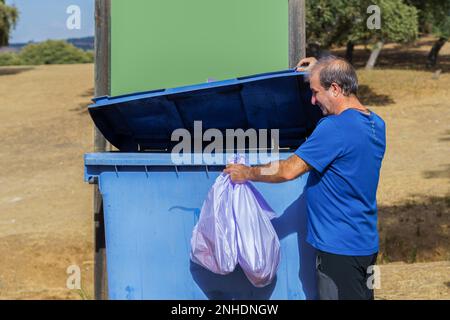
[297, 32]
[102, 87]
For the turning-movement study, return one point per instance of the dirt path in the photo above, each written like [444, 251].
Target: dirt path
[45, 208]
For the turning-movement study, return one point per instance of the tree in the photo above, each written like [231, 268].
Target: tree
[442, 30]
[345, 22]
[8, 19]
[434, 17]
[329, 23]
[399, 24]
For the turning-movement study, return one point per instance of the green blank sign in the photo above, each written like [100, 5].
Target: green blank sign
[169, 43]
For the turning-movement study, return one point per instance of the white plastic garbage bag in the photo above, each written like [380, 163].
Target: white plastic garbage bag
[213, 243]
[235, 227]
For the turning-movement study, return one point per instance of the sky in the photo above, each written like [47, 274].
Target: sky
[46, 19]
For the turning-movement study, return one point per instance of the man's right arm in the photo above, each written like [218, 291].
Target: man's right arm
[274, 172]
[280, 171]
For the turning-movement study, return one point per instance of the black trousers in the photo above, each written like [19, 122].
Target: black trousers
[342, 277]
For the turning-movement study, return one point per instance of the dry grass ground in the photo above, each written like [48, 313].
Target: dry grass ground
[45, 216]
[45, 208]
[414, 188]
[416, 281]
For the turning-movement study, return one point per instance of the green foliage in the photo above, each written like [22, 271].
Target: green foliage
[434, 16]
[337, 22]
[53, 52]
[399, 22]
[330, 22]
[442, 28]
[8, 19]
[49, 52]
[9, 59]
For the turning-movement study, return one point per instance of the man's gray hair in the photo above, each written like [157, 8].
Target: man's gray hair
[337, 70]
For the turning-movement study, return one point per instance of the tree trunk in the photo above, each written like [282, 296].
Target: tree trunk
[297, 35]
[433, 55]
[349, 52]
[374, 55]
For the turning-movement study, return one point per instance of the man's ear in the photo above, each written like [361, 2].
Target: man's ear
[335, 89]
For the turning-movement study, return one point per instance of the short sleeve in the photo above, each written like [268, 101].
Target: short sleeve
[323, 146]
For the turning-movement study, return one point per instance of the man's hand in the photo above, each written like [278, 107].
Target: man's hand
[238, 173]
[306, 64]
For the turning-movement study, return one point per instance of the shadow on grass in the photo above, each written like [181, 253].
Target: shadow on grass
[415, 231]
[88, 93]
[8, 71]
[433, 174]
[403, 58]
[446, 136]
[445, 171]
[371, 98]
[83, 107]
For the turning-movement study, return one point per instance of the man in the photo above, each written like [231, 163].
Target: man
[343, 156]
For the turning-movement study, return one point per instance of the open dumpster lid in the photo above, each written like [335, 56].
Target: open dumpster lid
[145, 121]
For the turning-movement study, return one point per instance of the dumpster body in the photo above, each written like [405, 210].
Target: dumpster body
[151, 205]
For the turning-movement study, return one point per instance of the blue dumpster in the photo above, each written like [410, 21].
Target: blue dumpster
[151, 205]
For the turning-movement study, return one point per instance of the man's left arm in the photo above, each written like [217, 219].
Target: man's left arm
[274, 172]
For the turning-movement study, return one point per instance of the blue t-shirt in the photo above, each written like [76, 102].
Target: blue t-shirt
[346, 152]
